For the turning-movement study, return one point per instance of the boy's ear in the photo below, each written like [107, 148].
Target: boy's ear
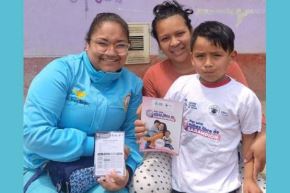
[234, 55]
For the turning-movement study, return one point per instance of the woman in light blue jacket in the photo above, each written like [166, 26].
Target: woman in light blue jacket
[74, 97]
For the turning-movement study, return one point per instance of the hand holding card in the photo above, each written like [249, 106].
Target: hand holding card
[109, 153]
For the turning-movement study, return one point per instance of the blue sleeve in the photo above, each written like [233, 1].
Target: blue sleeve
[42, 110]
[134, 158]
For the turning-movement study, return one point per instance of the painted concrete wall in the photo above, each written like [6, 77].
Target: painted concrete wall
[58, 27]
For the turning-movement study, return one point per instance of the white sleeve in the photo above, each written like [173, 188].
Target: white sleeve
[250, 114]
[176, 89]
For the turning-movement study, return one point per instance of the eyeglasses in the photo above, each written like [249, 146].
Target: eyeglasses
[102, 46]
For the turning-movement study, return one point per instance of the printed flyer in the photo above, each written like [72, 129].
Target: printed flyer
[109, 153]
[163, 119]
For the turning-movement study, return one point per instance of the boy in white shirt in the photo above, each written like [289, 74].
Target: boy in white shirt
[219, 112]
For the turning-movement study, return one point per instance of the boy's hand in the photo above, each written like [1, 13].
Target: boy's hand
[113, 181]
[257, 152]
[249, 186]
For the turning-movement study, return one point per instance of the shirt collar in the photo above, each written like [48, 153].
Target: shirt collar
[222, 82]
[98, 76]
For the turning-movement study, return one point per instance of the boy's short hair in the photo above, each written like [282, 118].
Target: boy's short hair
[217, 33]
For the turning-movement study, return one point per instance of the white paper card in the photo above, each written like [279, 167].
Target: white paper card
[109, 153]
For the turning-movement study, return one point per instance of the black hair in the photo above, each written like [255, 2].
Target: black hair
[168, 9]
[164, 128]
[157, 121]
[217, 33]
[104, 17]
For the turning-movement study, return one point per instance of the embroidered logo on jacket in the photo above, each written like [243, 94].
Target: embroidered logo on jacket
[79, 94]
[127, 101]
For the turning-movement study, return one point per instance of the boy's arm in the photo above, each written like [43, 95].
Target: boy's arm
[257, 151]
[249, 184]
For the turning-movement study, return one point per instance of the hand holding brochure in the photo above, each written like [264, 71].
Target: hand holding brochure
[164, 120]
[109, 153]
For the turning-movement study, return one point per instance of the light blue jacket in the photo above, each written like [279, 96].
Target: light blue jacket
[68, 101]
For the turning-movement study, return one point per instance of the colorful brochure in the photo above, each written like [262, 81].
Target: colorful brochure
[163, 119]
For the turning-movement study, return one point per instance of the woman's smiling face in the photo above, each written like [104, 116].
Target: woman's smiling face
[104, 47]
[174, 38]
